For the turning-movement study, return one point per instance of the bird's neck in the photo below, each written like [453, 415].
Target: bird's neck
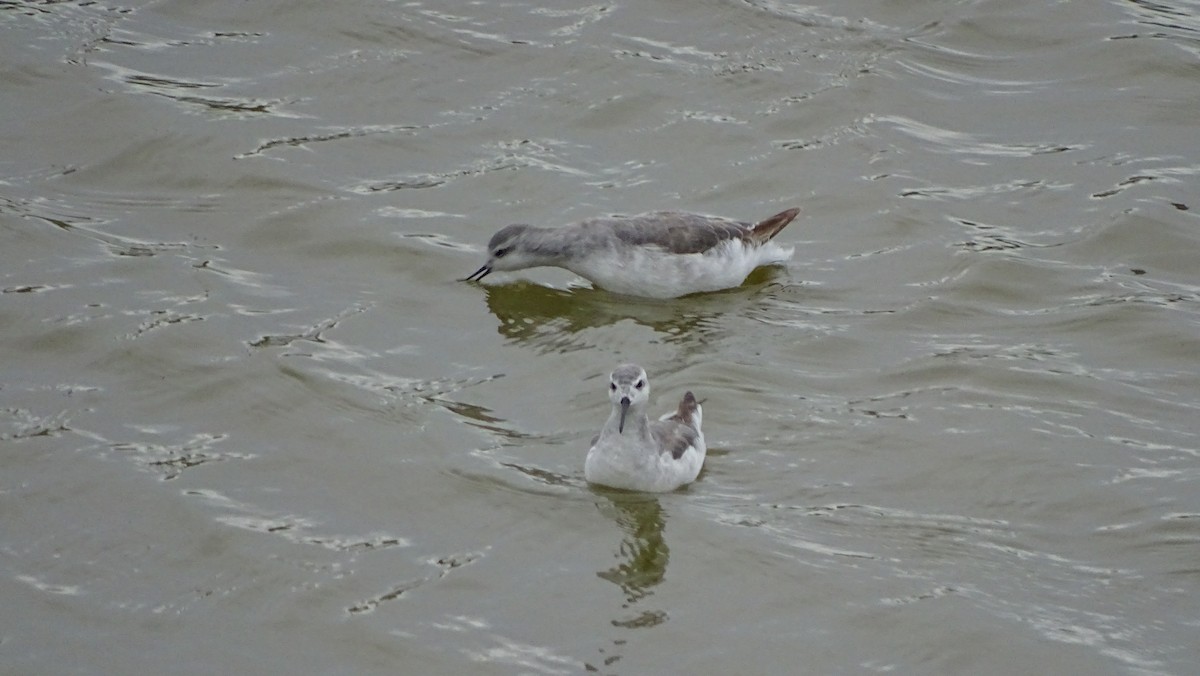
[637, 425]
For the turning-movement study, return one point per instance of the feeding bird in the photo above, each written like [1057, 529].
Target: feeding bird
[661, 254]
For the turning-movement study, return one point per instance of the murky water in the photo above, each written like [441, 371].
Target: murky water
[252, 424]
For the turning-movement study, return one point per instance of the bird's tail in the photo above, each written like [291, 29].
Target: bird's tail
[765, 229]
[689, 412]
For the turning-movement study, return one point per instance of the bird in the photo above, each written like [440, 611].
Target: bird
[635, 453]
[660, 254]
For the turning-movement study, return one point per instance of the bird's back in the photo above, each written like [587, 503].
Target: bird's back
[675, 231]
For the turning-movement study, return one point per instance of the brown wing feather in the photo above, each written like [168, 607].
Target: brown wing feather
[766, 229]
[678, 231]
[687, 409]
[673, 437]
[676, 433]
[682, 232]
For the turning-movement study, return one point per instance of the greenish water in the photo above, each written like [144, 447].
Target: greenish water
[251, 423]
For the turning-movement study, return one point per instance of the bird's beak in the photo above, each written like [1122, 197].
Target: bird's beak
[478, 274]
[624, 410]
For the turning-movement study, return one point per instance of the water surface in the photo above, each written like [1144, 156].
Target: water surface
[250, 423]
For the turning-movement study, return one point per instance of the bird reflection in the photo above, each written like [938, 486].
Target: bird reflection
[643, 551]
[552, 318]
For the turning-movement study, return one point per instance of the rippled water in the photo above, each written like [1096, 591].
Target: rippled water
[250, 423]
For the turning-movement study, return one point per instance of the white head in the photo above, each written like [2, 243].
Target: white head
[628, 388]
[510, 249]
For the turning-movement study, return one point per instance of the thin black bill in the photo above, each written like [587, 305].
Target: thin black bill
[477, 275]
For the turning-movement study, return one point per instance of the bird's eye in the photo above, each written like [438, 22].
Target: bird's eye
[640, 384]
[612, 386]
[500, 253]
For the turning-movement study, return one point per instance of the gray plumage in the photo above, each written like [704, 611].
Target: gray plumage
[667, 251]
[636, 453]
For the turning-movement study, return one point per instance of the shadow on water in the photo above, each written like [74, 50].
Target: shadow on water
[547, 318]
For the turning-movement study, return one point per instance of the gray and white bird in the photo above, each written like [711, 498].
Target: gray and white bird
[662, 254]
[636, 453]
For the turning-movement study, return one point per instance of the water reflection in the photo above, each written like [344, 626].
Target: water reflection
[643, 553]
[551, 318]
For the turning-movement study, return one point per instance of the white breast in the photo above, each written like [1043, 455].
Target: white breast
[637, 470]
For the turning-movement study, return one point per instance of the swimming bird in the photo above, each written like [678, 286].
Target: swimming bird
[661, 254]
[635, 453]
